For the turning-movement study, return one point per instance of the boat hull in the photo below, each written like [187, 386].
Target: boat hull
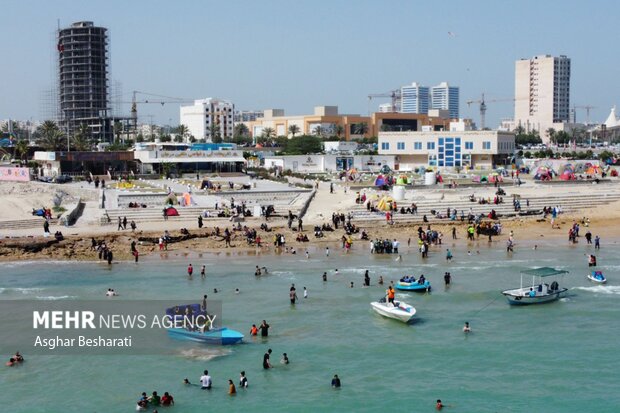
[597, 280]
[519, 299]
[420, 288]
[220, 336]
[403, 312]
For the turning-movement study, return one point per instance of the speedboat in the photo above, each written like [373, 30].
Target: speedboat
[597, 277]
[539, 291]
[413, 286]
[218, 336]
[190, 322]
[399, 311]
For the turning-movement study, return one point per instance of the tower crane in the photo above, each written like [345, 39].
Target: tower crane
[393, 94]
[483, 106]
[587, 108]
[160, 99]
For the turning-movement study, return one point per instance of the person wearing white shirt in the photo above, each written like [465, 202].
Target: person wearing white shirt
[205, 380]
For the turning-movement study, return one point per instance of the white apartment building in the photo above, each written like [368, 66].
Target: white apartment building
[414, 98]
[542, 93]
[464, 149]
[446, 97]
[209, 117]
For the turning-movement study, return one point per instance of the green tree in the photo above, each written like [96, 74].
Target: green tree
[562, 138]
[181, 131]
[551, 134]
[178, 138]
[293, 130]
[241, 131]
[51, 138]
[81, 138]
[360, 128]
[268, 133]
[605, 155]
[216, 136]
[303, 145]
[338, 130]
[20, 150]
[319, 131]
[140, 138]
[118, 130]
[165, 138]
[386, 128]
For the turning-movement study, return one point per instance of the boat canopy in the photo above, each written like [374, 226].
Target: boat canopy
[544, 272]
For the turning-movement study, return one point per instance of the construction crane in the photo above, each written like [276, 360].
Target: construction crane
[393, 94]
[162, 101]
[587, 108]
[483, 106]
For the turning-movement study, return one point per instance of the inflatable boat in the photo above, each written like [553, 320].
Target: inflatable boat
[413, 286]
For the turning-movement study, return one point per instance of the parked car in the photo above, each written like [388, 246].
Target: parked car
[63, 179]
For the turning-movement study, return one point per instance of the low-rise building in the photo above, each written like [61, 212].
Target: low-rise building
[330, 163]
[445, 149]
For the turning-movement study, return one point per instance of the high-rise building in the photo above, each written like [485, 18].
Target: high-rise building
[209, 118]
[446, 97]
[83, 80]
[542, 93]
[414, 99]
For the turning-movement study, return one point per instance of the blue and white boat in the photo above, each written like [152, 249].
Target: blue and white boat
[191, 323]
[539, 291]
[597, 277]
[218, 336]
[410, 284]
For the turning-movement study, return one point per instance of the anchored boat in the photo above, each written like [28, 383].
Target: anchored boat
[399, 311]
[539, 291]
[190, 322]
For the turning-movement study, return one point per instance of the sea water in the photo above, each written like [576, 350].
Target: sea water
[557, 357]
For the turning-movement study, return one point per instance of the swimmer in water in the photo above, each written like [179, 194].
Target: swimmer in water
[215, 290]
[466, 328]
[305, 293]
[351, 284]
[324, 276]
[307, 255]
[535, 247]
[237, 291]
[381, 280]
[231, 388]
[439, 405]
[284, 359]
[336, 272]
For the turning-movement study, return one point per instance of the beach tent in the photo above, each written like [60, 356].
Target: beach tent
[543, 174]
[380, 181]
[495, 177]
[593, 170]
[171, 212]
[385, 203]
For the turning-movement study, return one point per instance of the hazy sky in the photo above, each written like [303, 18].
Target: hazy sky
[295, 55]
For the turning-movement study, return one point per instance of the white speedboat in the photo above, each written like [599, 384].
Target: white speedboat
[539, 292]
[399, 311]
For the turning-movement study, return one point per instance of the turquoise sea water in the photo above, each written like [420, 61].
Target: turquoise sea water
[558, 357]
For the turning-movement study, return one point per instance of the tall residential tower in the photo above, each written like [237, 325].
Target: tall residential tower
[414, 99]
[446, 97]
[542, 93]
[83, 79]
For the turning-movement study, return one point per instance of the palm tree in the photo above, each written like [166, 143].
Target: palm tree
[551, 134]
[81, 139]
[293, 130]
[20, 149]
[182, 132]
[216, 136]
[319, 131]
[268, 133]
[52, 139]
[338, 130]
[361, 128]
[241, 130]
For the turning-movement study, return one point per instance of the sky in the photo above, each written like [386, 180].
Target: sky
[297, 54]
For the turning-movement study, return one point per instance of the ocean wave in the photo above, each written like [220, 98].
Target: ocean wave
[601, 289]
[54, 298]
[24, 290]
[205, 355]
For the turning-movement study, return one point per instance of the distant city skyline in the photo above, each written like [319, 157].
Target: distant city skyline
[274, 55]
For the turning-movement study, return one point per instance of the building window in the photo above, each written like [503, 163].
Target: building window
[469, 145]
[430, 145]
[400, 146]
[417, 145]
[486, 145]
[385, 146]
